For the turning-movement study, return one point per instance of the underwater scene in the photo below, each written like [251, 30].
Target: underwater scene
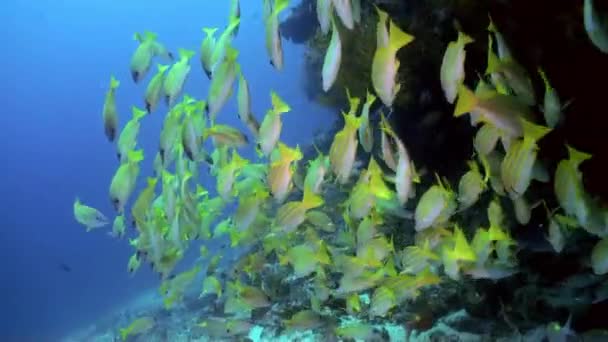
[304, 170]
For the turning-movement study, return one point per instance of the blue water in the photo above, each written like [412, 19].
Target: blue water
[56, 60]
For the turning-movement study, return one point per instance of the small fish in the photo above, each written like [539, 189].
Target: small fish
[516, 167]
[176, 76]
[90, 217]
[191, 136]
[461, 251]
[504, 112]
[596, 26]
[222, 83]
[270, 129]
[134, 263]
[315, 173]
[436, 206]
[344, 10]
[599, 257]
[388, 151]
[515, 76]
[244, 107]
[385, 64]
[207, 48]
[324, 10]
[471, 185]
[227, 175]
[110, 113]
[552, 107]
[383, 300]
[138, 327]
[222, 44]
[225, 135]
[143, 202]
[128, 136]
[343, 150]
[274, 45]
[333, 57]
[504, 53]
[124, 180]
[280, 173]
[304, 320]
[569, 188]
[155, 88]
[211, 285]
[366, 135]
[292, 214]
[119, 227]
[486, 139]
[235, 14]
[452, 66]
[142, 58]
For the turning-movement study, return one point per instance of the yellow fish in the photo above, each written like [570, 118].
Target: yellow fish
[385, 64]
[281, 171]
[123, 182]
[343, 150]
[331, 62]
[452, 66]
[88, 216]
[110, 114]
[270, 130]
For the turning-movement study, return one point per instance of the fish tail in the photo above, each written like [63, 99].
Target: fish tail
[114, 83]
[464, 38]
[466, 101]
[279, 6]
[577, 156]
[209, 31]
[311, 200]
[185, 53]
[398, 38]
[162, 68]
[278, 105]
[137, 113]
[534, 131]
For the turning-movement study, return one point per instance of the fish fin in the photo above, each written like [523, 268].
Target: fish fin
[185, 53]
[576, 156]
[533, 131]
[311, 200]
[398, 38]
[278, 105]
[114, 83]
[137, 113]
[279, 6]
[162, 68]
[135, 156]
[150, 36]
[464, 38]
[210, 31]
[466, 101]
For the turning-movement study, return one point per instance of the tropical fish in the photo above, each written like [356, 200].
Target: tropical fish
[155, 88]
[235, 14]
[292, 214]
[366, 136]
[207, 49]
[552, 107]
[385, 64]
[119, 226]
[315, 173]
[123, 182]
[110, 114]
[344, 10]
[227, 175]
[270, 130]
[176, 76]
[281, 171]
[435, 207]
[138, 327]
[88, 216]
[515, 76]
[331, 62]
[596, 26]
[304, 320]
[273, 36]
[516, 167]
[222, 83]
[222, 44]
[225, 135]
[343, 149]
[324, 14]
[128, 136]
[504, 112]
[142, 58]
[244, 107]
[133, 264]
[471, 185]
[569, 188]
[452, 66]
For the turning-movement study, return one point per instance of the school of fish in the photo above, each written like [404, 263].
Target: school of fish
[283, 218]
